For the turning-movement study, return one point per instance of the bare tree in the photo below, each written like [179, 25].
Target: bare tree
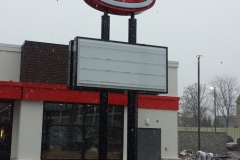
[189, 105]
[227, 91]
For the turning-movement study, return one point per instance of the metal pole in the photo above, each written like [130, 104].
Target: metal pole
[103, 113]
[215, 120]
[132, 102]
[199, 114]
[105, 26]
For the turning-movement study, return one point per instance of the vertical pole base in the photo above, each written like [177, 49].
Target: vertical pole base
[132, 125]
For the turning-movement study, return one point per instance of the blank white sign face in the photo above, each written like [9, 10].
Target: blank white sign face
[121, 66]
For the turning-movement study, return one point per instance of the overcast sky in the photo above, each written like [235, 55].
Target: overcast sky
[187, 27]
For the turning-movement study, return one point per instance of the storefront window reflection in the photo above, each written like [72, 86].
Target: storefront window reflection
[62, 131]
[5, 112]
[92, 143]
[71, 131]
[115, 132]
[5, 129]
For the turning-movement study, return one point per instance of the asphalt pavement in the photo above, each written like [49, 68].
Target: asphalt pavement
[235, 154]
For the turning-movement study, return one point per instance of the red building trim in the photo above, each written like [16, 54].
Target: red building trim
[117, 99]
[60, 93]
[40, 94]
[158, 102]
[10, 92]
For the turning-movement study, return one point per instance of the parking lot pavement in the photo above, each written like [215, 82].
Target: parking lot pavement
[234, 154]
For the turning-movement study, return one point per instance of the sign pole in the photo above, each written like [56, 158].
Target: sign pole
[103, 111]
[132, 101]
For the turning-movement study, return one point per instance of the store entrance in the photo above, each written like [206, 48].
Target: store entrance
[5, 130]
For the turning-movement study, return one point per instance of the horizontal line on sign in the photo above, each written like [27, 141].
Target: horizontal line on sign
[122, 49]
[155, 64]
[132, 84]
[122, 72]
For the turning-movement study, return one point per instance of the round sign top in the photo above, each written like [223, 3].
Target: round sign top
[121, 7]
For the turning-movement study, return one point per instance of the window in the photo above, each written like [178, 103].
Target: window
[71, 131]
[115, 132]
[62, 131]
[6, 113]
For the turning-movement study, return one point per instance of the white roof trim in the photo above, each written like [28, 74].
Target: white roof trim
[173, 64]
[10, 48]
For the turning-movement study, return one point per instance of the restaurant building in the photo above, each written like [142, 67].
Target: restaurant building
[41, 118]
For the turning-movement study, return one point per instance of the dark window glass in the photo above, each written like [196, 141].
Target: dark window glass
[62, 131]
[92, 142]
[115, 132]
[92, 115]
[5, 130]
[63, 114]
[115, 139]
[115, 116]
[5, 112]
[71, 131]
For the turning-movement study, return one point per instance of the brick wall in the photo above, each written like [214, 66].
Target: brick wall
[44, 63]
[215, 143]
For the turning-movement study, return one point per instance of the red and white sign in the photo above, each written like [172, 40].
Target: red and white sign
[121, 7]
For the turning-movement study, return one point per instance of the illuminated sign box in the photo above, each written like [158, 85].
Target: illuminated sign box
[120, 66]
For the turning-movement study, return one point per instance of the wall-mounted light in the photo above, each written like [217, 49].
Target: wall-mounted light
[147, 121]
[1, 133]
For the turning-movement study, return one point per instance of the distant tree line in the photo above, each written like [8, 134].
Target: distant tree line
[227, 90]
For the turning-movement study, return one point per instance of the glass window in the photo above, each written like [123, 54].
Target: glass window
[5, 112]
[5, 129]
[115, 116]
[92, 143]
[62, 131]
[71, 131]
[92, 115]
[63, 114]
[115, 132]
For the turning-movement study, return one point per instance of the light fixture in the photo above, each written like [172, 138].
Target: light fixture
[1, 133]
[147, 121]
[212, 87]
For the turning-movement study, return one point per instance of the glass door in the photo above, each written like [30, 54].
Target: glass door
[5, 130]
